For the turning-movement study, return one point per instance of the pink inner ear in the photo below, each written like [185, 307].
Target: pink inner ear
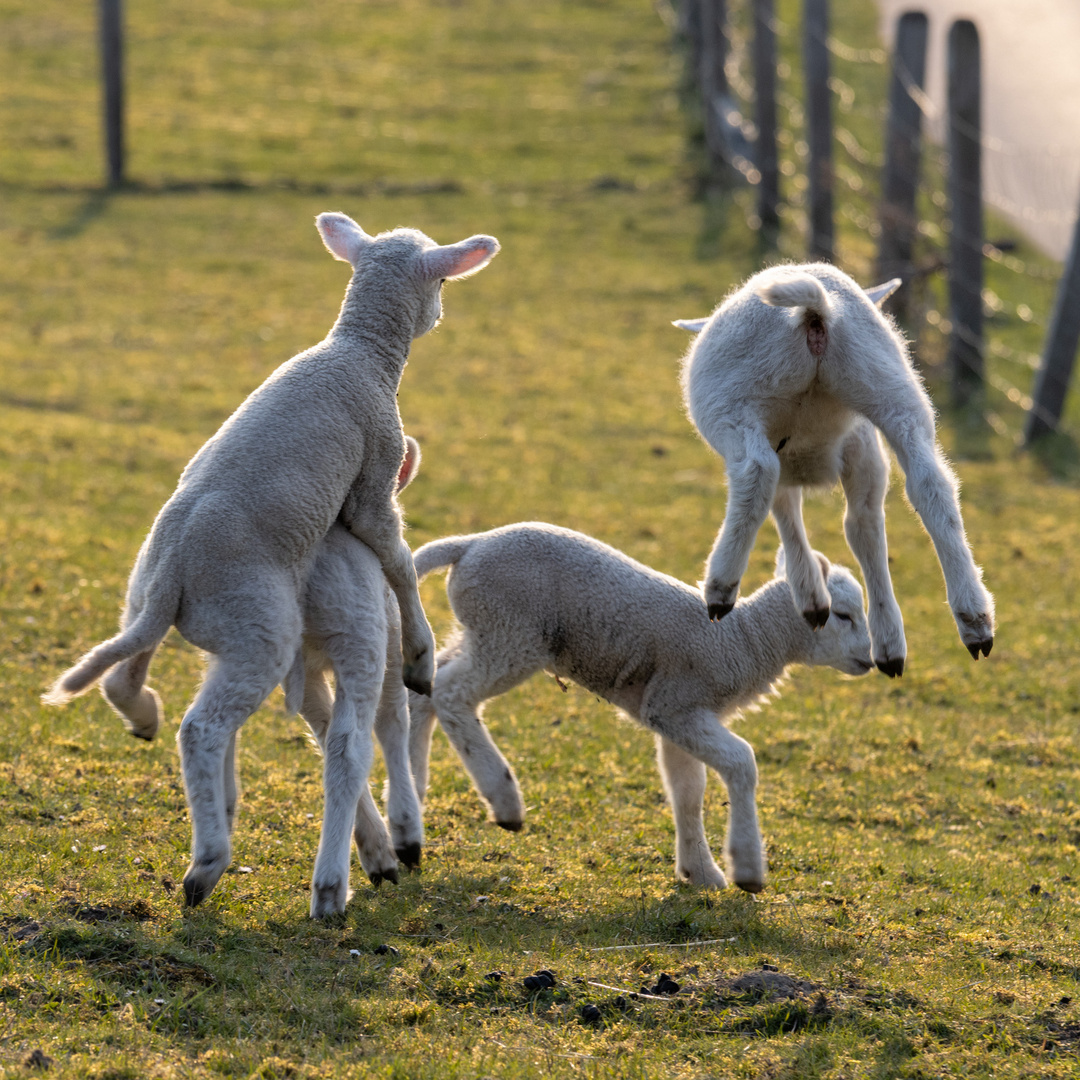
[457, 260]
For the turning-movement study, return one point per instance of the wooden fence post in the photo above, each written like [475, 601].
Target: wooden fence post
[966, 214]
[112, 78]
[818, 127]
[1059, 352]
[900, 180]
[765, 156]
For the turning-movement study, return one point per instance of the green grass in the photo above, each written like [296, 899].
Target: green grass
[908, 822]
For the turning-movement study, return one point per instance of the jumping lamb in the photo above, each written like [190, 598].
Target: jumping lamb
[535, 596]
[228, 555]
[787, 381]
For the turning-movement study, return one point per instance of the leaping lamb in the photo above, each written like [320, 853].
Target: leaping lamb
[787, 381]
[228, 555]
[535, 596]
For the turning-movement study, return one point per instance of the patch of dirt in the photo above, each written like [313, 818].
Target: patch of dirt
[18, 928]
[758, 986]
[94, 913]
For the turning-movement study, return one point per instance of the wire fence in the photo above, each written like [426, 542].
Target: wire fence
[859, 121]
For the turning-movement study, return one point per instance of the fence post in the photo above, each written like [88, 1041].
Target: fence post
[1059, 352]
[818, 126]
[112, 78]
[965, 198]
[712, 78]
[900, 181]
[766, 158]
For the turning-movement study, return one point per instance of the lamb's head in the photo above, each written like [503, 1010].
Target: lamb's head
[405, 263]
[844, 641]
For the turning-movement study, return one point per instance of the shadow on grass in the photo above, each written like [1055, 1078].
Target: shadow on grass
[1059, 454]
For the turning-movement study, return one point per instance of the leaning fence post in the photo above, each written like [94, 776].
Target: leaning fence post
[112, 78]
[900, 181]
[818, 126]
[766, 158]
[1059, 352]
[966, 214]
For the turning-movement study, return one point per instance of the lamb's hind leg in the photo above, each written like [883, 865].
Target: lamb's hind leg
[684, 781]
[470, 679]
[903, 414]
[802, 569]
[138, 705]
[753, 472]
[422, 720]
[865, 476]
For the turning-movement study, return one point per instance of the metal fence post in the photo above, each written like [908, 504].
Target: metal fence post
[966, 213]
[900, 180]
[818, 127]
[112, 77]
[1059, 352]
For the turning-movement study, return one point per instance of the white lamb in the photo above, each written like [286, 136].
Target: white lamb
[787, 381]
[228, 555]
[352, 629]
[534, 596]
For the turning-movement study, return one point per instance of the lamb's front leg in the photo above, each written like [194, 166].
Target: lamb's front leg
[865, 477]
[382, 533]
[684, 781]
[801, 568]
[700, 734]
[753, 472]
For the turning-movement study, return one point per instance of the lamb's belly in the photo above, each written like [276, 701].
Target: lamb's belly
[808, 437]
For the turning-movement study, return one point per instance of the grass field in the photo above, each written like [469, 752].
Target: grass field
[924, 896]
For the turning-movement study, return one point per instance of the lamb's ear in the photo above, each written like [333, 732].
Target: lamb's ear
[410, 464]
[344, 239]
[460, 260]
[695, 326]
[880, 293]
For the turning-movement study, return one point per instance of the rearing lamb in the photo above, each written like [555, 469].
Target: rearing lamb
[228, 555]
[787, 381]
[534, 596]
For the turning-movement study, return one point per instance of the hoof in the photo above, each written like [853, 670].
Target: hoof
[416, 685]
[816, 617]
[195, 893]
[893, 668]
[328, 900]
[751, 886]
[983, 647]
[379, 876]
[409, 855]
[142, 735]
[718, 611]
[510, 826]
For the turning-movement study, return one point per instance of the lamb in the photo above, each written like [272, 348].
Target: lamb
[351, 627]
[228, 555]
[787, 381]
[535, 596]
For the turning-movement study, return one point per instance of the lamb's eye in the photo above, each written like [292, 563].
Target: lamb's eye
[842, 617]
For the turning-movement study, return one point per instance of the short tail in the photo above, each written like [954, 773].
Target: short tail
[151, 625]
[440, 553]
[798, 290]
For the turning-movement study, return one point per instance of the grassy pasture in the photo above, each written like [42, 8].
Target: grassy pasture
[923, 833]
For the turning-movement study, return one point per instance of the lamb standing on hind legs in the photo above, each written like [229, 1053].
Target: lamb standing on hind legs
[533, 596]
[228, 555]
[787, 381]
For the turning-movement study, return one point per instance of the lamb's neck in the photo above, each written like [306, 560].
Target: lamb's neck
[760, 637]
[380, 326]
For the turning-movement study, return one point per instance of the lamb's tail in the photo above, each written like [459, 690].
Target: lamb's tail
[149, 627]
[440, 553]
[798, 290]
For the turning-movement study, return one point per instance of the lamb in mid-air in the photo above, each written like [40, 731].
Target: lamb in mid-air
[227, 558]
[787, 381]
[535, 596]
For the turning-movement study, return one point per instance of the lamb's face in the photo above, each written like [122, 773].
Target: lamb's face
[844, 641]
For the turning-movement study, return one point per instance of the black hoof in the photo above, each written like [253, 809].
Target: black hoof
[816, 617]
[750, 886]
[194, 895]
[893, 668]
[378, 878]
[417, 687]
[140, 735]
[409, 855]
[718, 611]
[510, 826]
[986, 646]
